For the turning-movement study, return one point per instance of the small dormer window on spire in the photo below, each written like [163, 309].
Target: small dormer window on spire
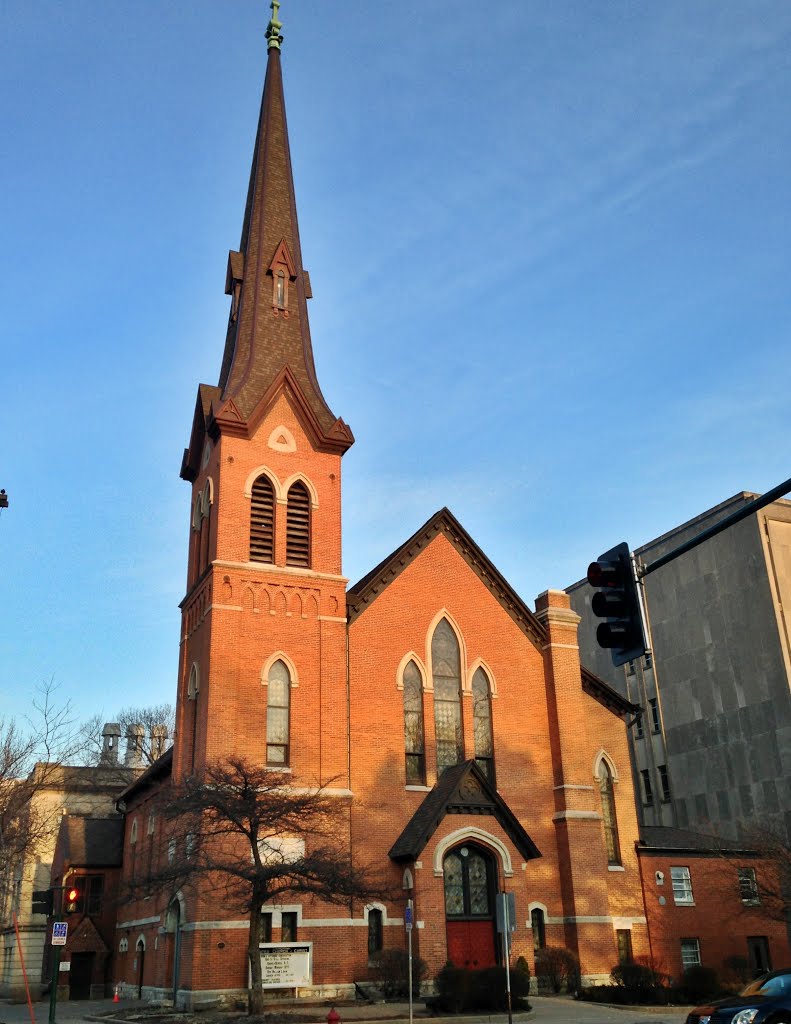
[283, 271]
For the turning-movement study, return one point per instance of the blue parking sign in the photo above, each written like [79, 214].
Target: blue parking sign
[60, 930]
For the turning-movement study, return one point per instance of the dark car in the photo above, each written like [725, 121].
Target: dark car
[766, 1000]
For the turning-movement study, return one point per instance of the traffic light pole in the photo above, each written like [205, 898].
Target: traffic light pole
[712, 531]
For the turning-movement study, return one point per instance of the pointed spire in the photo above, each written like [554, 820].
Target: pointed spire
[268, 330]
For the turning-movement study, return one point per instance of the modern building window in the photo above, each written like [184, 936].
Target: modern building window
[413, 726]
[648, 795]
[682, 886]
[446, 666]
[638, 727]
[653, 705]
[288, 926]
[374, 932]
[482, 723]
[690, 953]
[538, 927]
[623, 938]
[609, 818]
[262, 521]
[277, 715]
[748, 887]
[664, 782]
[298, 525]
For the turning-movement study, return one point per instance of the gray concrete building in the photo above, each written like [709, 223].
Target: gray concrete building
[712, 750]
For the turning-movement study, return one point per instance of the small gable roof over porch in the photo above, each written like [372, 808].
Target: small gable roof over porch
[462, 789]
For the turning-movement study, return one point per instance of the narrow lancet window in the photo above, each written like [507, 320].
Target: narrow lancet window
[482, 723]
[446, 665]
[413, 726]
[277, 716]
[608, 814]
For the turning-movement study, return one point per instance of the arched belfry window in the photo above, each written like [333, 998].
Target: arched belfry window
[298, 525]
[607, 793]
[280, 289]
[446, 671]
[482, 723]
[277, 715]
[262, 521]
[413, 726]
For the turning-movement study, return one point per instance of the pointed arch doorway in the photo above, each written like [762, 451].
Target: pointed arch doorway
[470, 879]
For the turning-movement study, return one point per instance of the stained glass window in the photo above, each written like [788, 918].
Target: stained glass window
[468, 883]
[277, 714]
[413, 725]
[482, 723]
[608, 814]
[446, 663]
[454, 886]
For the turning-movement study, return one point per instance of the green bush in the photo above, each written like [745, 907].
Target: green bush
[700, 983]
[483, 989]
[557, 968]
[638, 980]
[390, 971]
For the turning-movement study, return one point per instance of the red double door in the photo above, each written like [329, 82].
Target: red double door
[469, 907]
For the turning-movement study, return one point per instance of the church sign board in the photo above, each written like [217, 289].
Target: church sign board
[286, 964]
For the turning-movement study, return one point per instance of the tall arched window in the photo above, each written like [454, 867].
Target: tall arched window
[482, 723]
[193, 688]
[538, 927]
[375, 938]
[446, 670]
[298, 525]
[413, 726]
[277, 715]
[469, 883]
[262, 521]
[608, 813]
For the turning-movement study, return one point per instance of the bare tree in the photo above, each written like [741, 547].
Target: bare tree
[32, 752]
[149, 718]
[772, 888]
[255, 837]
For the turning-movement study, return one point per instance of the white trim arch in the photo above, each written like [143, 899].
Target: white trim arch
[443, 613]
[288, 444]
[207, 496]
[177, 899]
[535, 905]
[140, 944]
[597, 761]
[279, 656]
[287, 484]
[375, 905]
[411, 656]
[480, 663]
[272, 477]
[472, 835]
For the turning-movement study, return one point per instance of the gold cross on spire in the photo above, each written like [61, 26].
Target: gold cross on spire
[273, 36]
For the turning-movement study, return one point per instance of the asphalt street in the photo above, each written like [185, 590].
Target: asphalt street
[554, 1010]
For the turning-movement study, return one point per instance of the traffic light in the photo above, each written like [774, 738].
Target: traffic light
[43, 901]
[617, 600]
[71, 899]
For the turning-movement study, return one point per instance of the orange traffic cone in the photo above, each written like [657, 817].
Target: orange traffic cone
[115, 995]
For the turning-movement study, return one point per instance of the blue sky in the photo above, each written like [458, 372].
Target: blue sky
[549, 248]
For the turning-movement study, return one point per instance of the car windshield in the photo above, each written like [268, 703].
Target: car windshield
[780, 985]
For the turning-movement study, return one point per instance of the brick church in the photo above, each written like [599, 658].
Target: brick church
[473, 751]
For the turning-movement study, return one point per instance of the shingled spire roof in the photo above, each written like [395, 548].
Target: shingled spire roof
[268, 343]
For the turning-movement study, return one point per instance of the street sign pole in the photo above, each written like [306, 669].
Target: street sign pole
[408, 925]
[58, 935]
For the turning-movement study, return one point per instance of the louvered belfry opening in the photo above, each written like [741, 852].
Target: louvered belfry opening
[262, 521]
[298, 526]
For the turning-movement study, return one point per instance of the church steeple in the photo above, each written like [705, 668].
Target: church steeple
[268, 341]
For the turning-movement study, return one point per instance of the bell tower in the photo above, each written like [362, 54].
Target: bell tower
[262, 671]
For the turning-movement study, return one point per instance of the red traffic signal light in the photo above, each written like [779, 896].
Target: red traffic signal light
[72, 895]
[617, 600]
[71, 899]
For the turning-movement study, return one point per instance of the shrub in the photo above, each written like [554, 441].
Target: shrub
[736, 970]
[639, 980]
[700, 983]
[557, 968]
[484, 989]
[390, 971]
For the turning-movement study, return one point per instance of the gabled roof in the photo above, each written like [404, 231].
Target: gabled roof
[366, 590]
[190, 463]
[607, 695]
[92, 842]
[462, 789]
[155, 774]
